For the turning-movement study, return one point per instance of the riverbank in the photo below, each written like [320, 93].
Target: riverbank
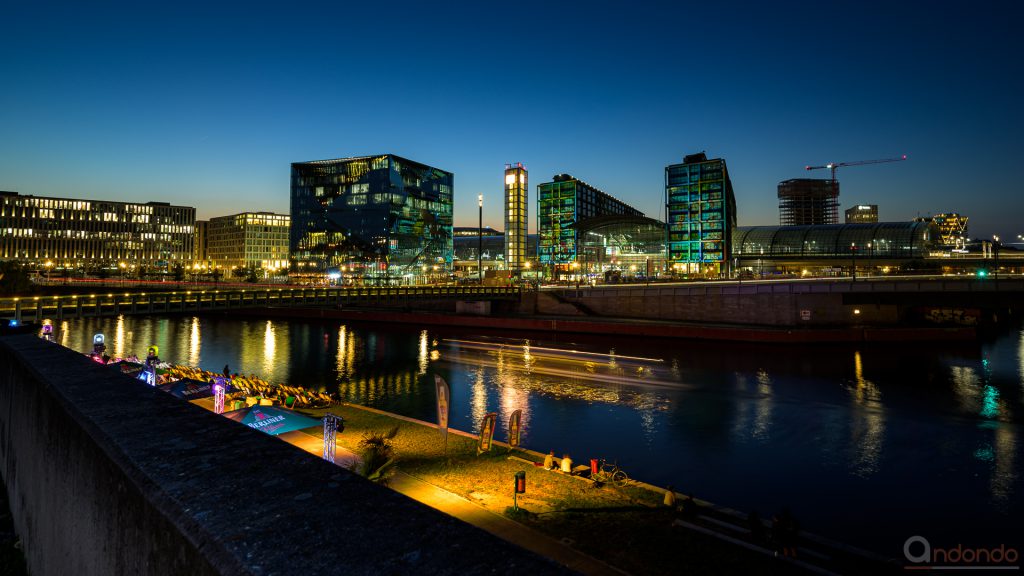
[627, 527]
[635, 327]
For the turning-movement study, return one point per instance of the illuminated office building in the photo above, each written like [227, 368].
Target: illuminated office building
[952, 228]
[562, 205]
[70, 233]
[862, 214]
[701, 212]
[516, 193]
[377, 219]
[249, 240]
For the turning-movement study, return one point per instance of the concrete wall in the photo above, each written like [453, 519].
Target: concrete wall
[109, 476]
[751, 304]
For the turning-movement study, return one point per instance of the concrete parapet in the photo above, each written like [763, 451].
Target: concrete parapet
[109, 476]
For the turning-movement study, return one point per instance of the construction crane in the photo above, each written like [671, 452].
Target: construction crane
[833, 165]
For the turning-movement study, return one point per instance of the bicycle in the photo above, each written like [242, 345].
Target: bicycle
[610, 473]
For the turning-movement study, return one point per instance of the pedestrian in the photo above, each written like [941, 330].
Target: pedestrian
[227, 371]
[670, 497]
[566, 464]
[549, 461]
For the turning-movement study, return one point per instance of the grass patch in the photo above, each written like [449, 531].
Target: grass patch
[626, 527]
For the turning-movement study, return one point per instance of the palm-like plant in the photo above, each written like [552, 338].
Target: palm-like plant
[377, 456]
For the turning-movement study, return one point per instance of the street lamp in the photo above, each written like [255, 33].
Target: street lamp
[480, 241]
[995, 253]
[853, 262]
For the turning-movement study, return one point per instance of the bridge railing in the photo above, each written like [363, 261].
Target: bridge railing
[36, 308]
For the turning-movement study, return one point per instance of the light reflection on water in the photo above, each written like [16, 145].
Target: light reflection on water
[833, 434]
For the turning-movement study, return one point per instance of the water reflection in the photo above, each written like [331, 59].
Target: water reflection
[834, 432]
[194, 343]
[269, 347]
[867, 427]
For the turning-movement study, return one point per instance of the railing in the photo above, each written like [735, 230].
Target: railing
[36, 308]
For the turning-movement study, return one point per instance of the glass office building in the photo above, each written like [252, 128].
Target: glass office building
[561, 205]
[374, 219]
[516, 191]
[701, 212]
[621, 247]
[249, 240]
[862, 214]
[73, 233]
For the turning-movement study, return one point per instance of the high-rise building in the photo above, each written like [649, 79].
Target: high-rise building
[952, 228]
[370, 218]
[70, 232]
[516, 193]
[249, 240]
[561, 205]
[808, 202]
[862, 214]
[701, 214]
[199, 244]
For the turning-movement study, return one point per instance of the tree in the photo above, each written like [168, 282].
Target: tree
[15, 278]
[179, 272]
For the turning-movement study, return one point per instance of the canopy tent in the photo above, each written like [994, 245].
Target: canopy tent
[271, 420]
[190, 389]
[130, 368]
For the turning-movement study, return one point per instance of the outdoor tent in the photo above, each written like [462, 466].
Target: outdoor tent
[190, 389]
[272, 420]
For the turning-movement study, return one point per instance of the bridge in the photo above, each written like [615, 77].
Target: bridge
[36, 308]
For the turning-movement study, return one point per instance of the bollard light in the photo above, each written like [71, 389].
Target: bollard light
[520, 482]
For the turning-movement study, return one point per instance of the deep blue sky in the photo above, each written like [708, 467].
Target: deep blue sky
[206, 105]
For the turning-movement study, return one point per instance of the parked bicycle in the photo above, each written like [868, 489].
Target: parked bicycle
[610, 473]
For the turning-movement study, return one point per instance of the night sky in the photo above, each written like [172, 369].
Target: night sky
[207, 104]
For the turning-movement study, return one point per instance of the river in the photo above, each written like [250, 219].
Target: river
[868, 444]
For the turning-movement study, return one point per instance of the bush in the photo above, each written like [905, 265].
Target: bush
[377, 456]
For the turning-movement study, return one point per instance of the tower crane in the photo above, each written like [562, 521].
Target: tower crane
[833, 165]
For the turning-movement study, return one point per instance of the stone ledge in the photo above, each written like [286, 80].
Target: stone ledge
[78, 440]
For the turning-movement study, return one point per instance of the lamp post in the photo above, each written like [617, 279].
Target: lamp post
[853, 262]
[480, 241]
[995, 253]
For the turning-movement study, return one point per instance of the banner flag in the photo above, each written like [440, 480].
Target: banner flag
[443, 405]
[487, 431]
[513, 429]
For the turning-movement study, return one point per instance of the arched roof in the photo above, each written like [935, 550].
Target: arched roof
[883, 239]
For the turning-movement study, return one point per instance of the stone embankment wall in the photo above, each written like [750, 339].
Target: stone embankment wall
[109, 476]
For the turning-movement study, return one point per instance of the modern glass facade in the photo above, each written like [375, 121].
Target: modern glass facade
[561, 205]
[372, 219]
[897, 240]
[249, 240]
[70, 233]
[516, 205]
[701, 211]
[952, 228]
[622, 247]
